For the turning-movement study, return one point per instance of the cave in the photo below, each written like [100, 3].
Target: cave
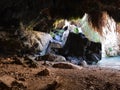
[27, 38]
[101, 16]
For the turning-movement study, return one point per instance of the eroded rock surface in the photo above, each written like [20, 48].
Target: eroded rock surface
[25, 42]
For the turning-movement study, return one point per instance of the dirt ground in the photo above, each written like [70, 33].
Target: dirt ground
[17, 76]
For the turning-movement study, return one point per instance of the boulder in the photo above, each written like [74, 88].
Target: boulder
[34, 42]
[24, 42]
[53, 57]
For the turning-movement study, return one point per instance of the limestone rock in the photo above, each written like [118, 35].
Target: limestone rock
[34, 41]
[24, 42]
[44, 72]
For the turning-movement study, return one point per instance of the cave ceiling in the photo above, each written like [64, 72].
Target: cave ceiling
[26, 10]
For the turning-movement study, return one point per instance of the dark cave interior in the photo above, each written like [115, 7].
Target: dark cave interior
[14, 12]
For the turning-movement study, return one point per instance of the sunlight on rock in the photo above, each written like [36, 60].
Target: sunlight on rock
[109, 39]
[110, 35]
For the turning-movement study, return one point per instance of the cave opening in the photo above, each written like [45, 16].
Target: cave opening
[109, 37]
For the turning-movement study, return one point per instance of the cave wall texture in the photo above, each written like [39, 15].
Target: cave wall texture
[12, 12]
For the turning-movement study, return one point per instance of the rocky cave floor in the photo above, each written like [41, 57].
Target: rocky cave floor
[16, 74]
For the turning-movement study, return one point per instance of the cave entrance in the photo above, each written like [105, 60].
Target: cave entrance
[109, 37]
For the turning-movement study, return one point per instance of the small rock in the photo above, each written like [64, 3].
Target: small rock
[66, 65]
[84, 63]
[59, 58]
[44, 72]
[52, 86]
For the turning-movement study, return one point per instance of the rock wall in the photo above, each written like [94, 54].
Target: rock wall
[109, 39]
